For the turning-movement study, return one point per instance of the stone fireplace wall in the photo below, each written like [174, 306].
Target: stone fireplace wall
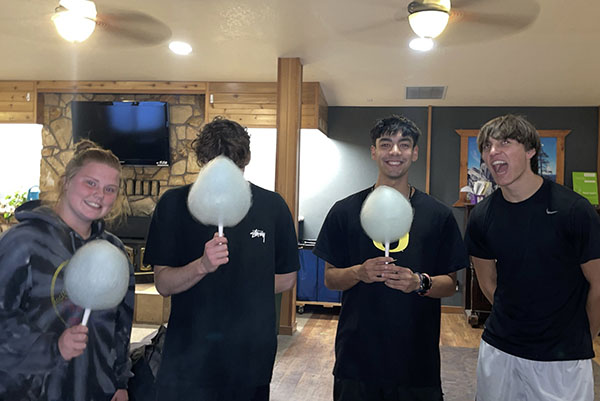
[140, 183]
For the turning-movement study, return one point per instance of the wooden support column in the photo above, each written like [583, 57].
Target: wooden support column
[289, 108]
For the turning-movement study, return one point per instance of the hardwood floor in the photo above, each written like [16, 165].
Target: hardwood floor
[305, 360]
[456, 332]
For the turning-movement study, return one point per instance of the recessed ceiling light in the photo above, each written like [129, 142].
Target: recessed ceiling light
[181, 48]
[421, 44]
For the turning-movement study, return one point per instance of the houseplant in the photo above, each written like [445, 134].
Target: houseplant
[10, 203]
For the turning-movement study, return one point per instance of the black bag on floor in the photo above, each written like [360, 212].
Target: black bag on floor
[145, 361]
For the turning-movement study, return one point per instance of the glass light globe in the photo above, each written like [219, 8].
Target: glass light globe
[428, 23]
[75, 21]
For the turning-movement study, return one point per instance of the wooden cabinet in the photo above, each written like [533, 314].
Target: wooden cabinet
[18, 102]
[150, 307]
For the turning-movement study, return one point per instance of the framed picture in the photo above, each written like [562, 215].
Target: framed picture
[551, 158]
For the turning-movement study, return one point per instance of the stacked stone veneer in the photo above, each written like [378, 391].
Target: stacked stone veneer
[186, 118]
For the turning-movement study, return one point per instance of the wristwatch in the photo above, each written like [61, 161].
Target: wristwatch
[424, 284]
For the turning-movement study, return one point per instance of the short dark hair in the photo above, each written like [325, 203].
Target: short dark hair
[393, 124]
[514, 127]
[222, 137]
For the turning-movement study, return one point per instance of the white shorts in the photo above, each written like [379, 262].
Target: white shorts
[504, 377]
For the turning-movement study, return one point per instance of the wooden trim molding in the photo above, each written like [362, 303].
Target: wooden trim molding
[138, 87]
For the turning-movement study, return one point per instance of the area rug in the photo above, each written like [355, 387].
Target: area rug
[459, 367]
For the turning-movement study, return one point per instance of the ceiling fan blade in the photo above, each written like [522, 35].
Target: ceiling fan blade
[510, 21]
[487, 21]
[461, 4]
[130, 28]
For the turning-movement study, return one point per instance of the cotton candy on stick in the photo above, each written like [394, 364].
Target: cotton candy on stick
[386, 216]
[221, 195]
[97, 277]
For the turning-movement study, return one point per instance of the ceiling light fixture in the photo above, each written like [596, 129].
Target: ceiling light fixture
[428, 18]
[181, 48]
[75, 20]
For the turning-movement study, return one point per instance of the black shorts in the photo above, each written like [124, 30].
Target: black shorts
[353, 390]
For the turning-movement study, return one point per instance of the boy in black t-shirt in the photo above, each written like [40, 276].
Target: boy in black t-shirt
[535, 246]
[221, 337]
[387, 341]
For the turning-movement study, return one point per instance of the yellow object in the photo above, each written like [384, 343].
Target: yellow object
[402, 244]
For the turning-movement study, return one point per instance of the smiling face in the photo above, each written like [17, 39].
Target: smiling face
[89, 195]
[508, 161]
[394, 155]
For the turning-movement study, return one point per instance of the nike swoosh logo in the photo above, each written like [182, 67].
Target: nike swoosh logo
[548, 211]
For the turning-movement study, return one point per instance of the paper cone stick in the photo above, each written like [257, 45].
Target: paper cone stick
[86, 316]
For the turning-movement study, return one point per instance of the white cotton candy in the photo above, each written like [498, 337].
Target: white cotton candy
[97, 276]
[386, 215]
[221, 195]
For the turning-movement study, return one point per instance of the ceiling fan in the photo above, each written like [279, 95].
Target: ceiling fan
[77, 20]
[465, 21]
[384, 22]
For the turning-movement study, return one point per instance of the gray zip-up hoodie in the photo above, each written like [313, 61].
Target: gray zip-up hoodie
[35, 310]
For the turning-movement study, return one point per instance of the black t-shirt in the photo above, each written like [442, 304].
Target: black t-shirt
[221, 332]
[539, 245]
[384, 334]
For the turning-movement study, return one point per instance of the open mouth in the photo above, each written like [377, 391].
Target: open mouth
[500, 166]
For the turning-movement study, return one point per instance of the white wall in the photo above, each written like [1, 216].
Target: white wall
[21, 156]
[261, 169]
[319, 166]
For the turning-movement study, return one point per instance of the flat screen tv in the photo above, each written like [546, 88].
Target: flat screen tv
[136, 132]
